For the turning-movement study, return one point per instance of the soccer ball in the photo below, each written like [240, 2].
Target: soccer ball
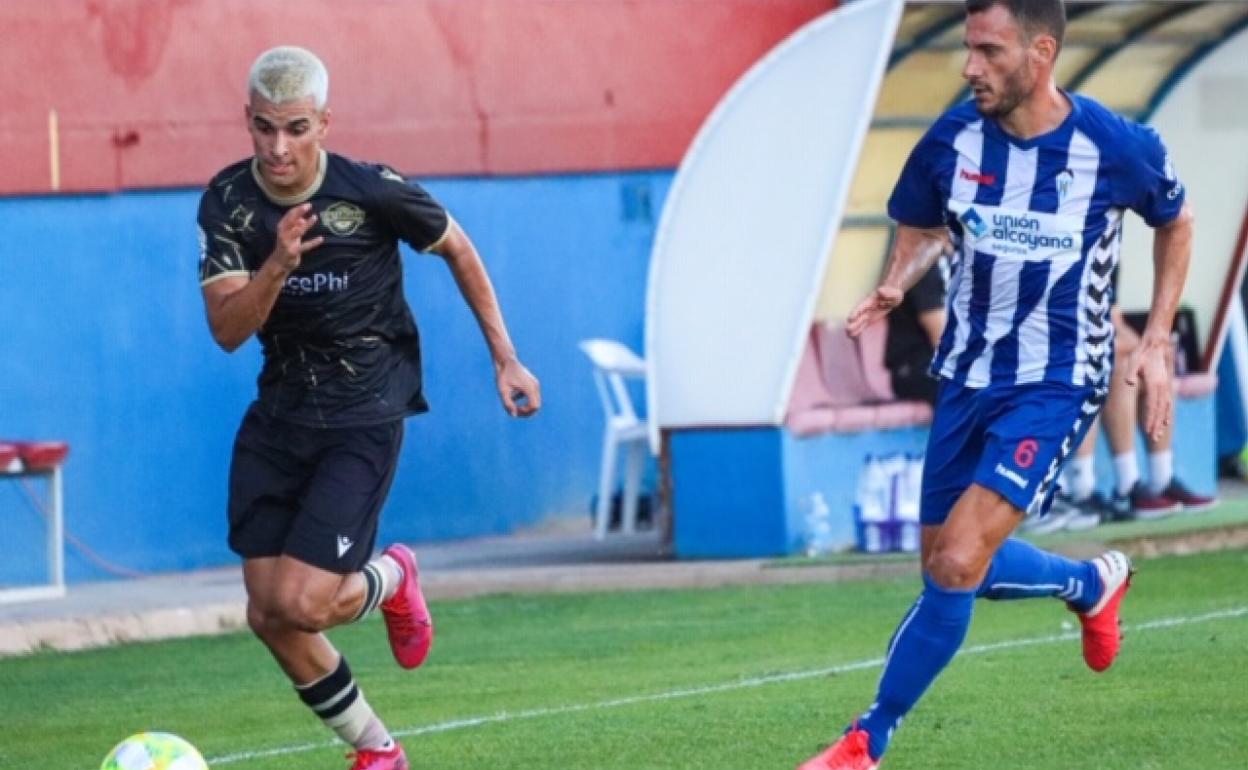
[154, 751]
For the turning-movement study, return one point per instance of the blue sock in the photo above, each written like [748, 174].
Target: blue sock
[1019, 570]
[922, 646]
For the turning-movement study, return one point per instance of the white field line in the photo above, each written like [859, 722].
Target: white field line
[711, 689]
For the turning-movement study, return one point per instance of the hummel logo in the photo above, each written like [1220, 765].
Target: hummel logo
[985, 179]
[344, 545]
[1011, 475]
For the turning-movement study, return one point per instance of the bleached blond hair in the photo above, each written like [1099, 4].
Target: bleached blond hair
[287, 74]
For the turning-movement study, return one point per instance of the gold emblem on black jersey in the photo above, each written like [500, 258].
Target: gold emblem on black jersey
[343, 218]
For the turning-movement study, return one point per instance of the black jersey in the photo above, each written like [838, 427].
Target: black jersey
[340, 346]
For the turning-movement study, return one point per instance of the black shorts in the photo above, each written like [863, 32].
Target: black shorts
[311, 493]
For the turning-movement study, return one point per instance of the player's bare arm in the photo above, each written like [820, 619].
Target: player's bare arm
[1150, 362]
[517, 387]
[915, 250]
[238, 306]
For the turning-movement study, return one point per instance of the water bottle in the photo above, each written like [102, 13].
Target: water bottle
[818, 526]
[872, 538]
[909, 536]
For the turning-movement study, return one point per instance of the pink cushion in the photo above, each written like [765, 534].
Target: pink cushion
[9, 462]
[854, 419]
[842, 368]
[902, 414]
[1196, 384]
[811, 422]
[842, 386]
[871, 345]
[831, 419]
[809, 391]
[43, 455]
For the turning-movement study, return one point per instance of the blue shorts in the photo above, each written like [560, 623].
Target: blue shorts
[1012, 439]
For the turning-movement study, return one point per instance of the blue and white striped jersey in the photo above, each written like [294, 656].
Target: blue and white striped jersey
[1037, 225]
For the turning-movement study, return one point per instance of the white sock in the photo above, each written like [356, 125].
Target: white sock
[391, 577]
[381, 579]
[360, 727]
[1127, 471]
[1080, 478]
[1160, 470]
[374, 737]
[337, 700]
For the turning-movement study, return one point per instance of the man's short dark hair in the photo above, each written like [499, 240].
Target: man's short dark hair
[1046, 17]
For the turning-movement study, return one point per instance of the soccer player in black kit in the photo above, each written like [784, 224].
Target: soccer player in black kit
[300, 247]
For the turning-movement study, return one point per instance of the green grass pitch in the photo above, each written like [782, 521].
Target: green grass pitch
[727, 679]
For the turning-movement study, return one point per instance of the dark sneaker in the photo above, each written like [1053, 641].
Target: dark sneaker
[1189, 500]
[1115, 508]
[1151, 505]
[1065, 515]
[1087, 514]
[1053, 520]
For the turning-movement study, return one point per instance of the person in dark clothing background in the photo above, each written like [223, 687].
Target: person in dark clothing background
[914, 330]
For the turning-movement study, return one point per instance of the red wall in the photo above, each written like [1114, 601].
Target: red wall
[149, 93]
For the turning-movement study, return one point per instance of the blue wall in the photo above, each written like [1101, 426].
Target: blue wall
[745, 492]
[105, 345]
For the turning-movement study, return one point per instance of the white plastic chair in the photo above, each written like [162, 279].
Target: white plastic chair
[613, 363]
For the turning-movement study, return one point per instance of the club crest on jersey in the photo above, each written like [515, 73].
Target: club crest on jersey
[974, 223]
[343, 218]
[1064, 182]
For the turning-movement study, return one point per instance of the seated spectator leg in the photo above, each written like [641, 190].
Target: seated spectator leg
[632, 485]
[606, 481]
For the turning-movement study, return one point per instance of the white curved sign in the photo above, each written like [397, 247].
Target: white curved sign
[745, 235]
[1204, 123]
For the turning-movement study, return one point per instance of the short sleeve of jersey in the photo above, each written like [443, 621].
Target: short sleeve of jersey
[220, 253]
[411, 212]
[1148, 184]
[916, 200]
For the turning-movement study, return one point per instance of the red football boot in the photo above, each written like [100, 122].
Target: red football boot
[1102, 636]
[848, 753]
[371, 759]
[408, 623]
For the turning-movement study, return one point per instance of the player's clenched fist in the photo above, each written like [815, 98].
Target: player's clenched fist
[293, 225]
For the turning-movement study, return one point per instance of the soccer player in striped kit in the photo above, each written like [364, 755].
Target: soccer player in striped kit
[1025, 186]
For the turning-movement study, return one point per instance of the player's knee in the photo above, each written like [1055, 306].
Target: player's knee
[954, 569]
[260, 620]
[306, 613]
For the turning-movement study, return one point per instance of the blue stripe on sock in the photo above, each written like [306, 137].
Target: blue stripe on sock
[1020, 570]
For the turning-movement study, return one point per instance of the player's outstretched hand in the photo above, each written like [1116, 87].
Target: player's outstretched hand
[290, 246]
[519, 389]
[1150, 366]
[872, 309]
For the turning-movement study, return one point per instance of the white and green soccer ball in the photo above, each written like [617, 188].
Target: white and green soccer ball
[154, 751]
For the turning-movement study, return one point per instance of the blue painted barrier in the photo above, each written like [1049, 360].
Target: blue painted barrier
[105, 346]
